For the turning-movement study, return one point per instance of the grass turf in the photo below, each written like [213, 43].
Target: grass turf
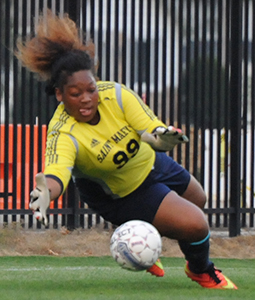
[57, 278]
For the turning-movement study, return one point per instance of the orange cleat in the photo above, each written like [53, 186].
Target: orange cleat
[213, 279]
[157, 269]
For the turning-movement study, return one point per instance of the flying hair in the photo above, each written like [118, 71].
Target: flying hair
[55, 38]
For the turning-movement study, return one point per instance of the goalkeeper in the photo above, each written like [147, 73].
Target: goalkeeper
[114, 146]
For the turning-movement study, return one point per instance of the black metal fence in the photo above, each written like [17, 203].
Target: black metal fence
[193, 62]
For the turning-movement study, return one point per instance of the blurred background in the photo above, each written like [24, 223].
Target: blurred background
[191, 61]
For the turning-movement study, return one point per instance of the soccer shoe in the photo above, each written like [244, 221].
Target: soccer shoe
[213, 279]
[157, 269]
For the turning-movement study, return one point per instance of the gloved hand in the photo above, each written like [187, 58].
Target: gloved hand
[40, 199]
[164, 139]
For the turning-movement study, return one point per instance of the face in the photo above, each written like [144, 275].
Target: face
[80, 97]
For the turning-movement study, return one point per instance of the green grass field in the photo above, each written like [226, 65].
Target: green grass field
[69, 278]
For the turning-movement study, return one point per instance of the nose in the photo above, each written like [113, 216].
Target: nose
[85, 98]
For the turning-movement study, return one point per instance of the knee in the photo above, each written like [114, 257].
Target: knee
[199, 229]
[200, 197]
[202, 200]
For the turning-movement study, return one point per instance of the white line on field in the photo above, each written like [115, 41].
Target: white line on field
[56, 268]
[84, 268]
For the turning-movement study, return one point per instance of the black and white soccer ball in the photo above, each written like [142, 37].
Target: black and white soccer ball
[136, 245]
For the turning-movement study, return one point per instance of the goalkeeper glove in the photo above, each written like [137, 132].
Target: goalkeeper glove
[164, 139]
[40, 198]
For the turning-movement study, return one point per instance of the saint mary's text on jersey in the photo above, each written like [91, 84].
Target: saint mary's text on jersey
[116, 137]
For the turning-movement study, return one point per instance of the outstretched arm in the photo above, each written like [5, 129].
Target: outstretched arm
[46, 189]
[54, 188]
[164, 139]
[147, 125]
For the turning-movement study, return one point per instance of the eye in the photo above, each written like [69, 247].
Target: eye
[75, 95]
[92, 90]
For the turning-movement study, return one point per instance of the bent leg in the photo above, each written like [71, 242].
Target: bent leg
[180, 219]
[195, 193]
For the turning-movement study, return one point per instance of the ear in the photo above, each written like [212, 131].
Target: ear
[58, 94]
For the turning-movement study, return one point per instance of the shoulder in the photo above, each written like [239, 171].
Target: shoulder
[109, 92]
[109, 87]
[61, 120]
[105, 85]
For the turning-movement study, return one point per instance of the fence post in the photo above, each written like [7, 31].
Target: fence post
[74, 8]
[73, 202]
[235, 115]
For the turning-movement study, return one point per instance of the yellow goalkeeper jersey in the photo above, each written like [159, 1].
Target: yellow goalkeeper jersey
[111, 152]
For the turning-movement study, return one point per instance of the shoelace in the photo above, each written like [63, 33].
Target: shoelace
[213, 274]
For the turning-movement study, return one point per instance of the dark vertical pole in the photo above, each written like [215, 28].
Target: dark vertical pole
[235, 112]
[124, 43]
[31, 119]
[116, 42]
[23, 115]
[92, 19]
[211, 88]
[172, 61]
[156, 57]
[187, 87]
[245, 110]
[195, 91]
[140, 70]
[164, 66]
[73, 202]
[219, 107]
[100, 38]
[203, 92]
[73, 197]
[226, 109]
[180, 62]
[108, 41]
[148, 55]
[252, 124]
[73, 11]
[6, 102]
[15, 109]
[133, 47]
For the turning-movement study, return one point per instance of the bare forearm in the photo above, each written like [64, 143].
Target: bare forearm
[54, 188]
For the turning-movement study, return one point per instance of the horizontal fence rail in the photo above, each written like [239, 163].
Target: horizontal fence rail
[192, 62]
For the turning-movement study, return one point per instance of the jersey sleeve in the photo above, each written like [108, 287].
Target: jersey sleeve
[137, 113]
[60, 157]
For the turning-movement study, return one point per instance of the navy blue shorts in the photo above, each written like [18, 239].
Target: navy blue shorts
[143, 203]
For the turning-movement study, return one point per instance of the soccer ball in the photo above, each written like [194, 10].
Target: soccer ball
[136, 245]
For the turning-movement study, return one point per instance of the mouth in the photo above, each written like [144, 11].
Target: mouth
[86, 111]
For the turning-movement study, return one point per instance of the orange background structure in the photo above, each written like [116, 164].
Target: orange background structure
[20, 165]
